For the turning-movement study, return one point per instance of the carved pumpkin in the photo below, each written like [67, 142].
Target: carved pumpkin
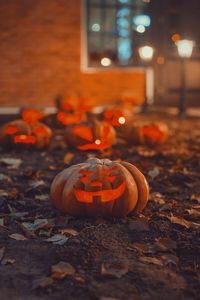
[31, 115]
[144, 133]
[72, 109]
[100, 188]
[19, 133]
[91, 135]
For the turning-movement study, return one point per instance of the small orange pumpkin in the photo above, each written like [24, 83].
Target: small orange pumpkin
[20, 133]
[91, 135]
[146, 133]
[100, 187]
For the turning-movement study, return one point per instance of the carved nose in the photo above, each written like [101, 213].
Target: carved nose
[96, 184]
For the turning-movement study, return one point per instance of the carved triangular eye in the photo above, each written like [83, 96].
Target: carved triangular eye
[85, 175]
[10, 129]
[84, 132]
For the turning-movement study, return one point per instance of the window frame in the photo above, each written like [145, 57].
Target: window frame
[85, 68]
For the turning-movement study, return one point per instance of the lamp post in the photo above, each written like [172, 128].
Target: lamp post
[146, 55]
[184, 48]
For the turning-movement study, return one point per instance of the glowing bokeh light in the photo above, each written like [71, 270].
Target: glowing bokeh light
[185, 48]
[144, 20]
[140, 28]
[105, 61]
[97, 142]
[96, 27]
[122, 120]
[160, 60]
[146, 52]
[175, 37]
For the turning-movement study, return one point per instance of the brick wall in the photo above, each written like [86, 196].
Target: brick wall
[40, 56]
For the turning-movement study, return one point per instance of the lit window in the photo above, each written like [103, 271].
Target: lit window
[115, 29]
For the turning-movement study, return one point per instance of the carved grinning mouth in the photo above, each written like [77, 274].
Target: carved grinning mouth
[93, 146]
[106, 195]
[24, 139]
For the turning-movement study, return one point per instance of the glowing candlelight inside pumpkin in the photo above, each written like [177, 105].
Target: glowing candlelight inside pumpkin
[97, 142]
[122, 120]
[24, 139]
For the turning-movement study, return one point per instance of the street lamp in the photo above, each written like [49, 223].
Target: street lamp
[184, 48]
[146, 55]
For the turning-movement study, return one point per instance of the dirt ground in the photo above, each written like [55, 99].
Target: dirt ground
[156, 255]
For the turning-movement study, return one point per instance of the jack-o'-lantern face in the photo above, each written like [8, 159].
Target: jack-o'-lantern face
[86, 133]
[18, 136]
[21, 133]
[96, 182]
[114, 117]
[31, 115]
[67, 118]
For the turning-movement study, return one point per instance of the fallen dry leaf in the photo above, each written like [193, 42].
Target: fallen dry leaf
[8, 261]
[61, 270]
[180, 221]
[157, 198]
[57, 239]
[6, 178]
[68, 157]
[17, 237]
[69, 231]
[195, 197]
[195, 212]
[13, 163]
[165, 244]
[2, 251]
[42, 282]
[3, 193]
[1, 221]
[146, 152]
[38, 224]
[42, 197]
[144, 248]
[151, 260]
[114, 270]
[170, 259]
[36, 183]
[154, 172]
[18, 215]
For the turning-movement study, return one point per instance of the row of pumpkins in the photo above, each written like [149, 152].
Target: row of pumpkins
[96, 187]
[82, 129]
